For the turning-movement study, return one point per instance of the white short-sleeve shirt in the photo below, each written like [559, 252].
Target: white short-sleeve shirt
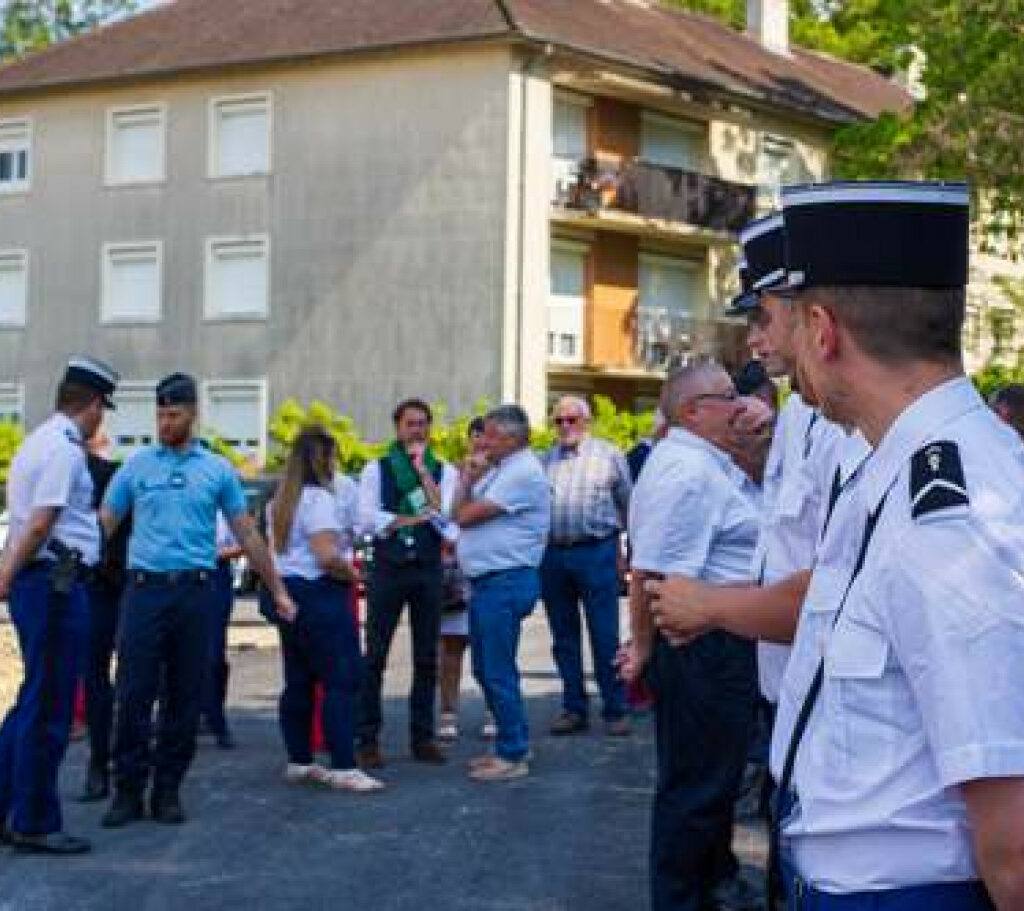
[315, 512]
[691, 513]
[346, 501]
[797, 481]
[51, 470]
[924, 682]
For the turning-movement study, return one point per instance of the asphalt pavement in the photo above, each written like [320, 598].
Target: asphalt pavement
[571, 836]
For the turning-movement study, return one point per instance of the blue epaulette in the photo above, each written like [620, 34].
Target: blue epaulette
[937, 479]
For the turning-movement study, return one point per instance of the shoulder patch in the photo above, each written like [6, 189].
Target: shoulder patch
[937, 479]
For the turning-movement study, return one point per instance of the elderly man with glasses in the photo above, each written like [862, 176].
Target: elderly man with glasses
[693, 515]
[590, 486]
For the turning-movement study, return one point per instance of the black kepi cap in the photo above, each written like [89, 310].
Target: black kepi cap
[763, 264]
[93, 374]
[176, 389]
[751, 377]
[899, 234]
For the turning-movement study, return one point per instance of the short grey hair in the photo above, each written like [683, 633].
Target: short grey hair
[580, 406]
[685, 382]
[512, 421]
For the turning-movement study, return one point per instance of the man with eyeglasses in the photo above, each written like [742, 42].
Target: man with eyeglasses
[693, 515]
[590, 486]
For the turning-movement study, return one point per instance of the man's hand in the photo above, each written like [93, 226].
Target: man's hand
[285, 607]
[475, 467]
[416, 451]
[679, 609]
[5, 586]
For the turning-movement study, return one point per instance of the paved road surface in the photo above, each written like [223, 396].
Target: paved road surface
[572, 836]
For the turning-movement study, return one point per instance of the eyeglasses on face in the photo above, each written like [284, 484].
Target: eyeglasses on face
[567, 420]
[730, 396]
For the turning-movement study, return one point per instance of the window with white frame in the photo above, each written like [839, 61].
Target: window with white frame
[566, 302]
[15, 155]
[132, 282]
[569, 140]
[668, 285]
[12, 403]
[776, 167]
[236, 411]
[240, 135]
[237, 277]
[671, 143]
[13, 287]
[136, 143]
[132, 424]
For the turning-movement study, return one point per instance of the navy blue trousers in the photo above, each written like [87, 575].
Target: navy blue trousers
[704, 715]
[936, 897]
[104, 610]
[586, 574]
[53, 634]
[321, 646]
[216, 689]
[163, 638]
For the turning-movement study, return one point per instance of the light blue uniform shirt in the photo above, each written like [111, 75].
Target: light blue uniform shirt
[175, 497]
[517, 536]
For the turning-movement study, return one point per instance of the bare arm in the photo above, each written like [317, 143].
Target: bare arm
[637, 652]
[465, 510]
[475, 512]
[996, 811]
[24, 549]
[686, 608]
[324, 545]
[248, 538]
[108, 522]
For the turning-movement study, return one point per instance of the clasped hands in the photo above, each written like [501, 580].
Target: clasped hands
[679, 608]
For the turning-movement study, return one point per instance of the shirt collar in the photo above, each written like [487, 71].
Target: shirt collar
[563, 452]
[912, 429]
[194, 448]
[70, 428]
[686, 438]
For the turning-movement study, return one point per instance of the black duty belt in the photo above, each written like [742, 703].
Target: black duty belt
[142, 578]
[85, 573]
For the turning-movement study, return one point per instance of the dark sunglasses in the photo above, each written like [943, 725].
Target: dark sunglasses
[566, 421]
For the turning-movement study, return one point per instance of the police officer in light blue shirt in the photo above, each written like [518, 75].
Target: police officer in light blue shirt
[54, 537]
[175, 490]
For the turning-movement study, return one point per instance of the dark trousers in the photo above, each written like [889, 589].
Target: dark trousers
[704, 714]
[216, 690]
[321, 646]
[970, 896]
[53, 636]
[163, 640]
[104, 610]
[585, 574]
[390, 589]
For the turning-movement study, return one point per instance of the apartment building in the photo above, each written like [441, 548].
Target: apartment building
[357, 201]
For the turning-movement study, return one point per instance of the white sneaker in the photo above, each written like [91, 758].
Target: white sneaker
[296, 773]
[490, 730]
[448, 727]
[351, 780]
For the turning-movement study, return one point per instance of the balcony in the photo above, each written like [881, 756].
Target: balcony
[666, 197]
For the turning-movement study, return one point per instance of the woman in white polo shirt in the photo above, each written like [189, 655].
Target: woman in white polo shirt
[322, 644]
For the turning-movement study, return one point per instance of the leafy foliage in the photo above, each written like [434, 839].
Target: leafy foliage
[11, 436]
[995, 376]
[449, 437]
[27, 25]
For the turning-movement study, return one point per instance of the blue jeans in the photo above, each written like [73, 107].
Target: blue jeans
[321, 646]
[586, 573]
[498, 604]
[53, 633]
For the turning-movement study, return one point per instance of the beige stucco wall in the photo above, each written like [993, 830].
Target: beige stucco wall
[387, 215]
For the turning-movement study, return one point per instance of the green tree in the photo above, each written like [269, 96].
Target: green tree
[27, 25]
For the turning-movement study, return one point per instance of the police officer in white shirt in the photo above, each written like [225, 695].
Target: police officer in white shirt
[900, 738]
[692, 515]
[54, 539]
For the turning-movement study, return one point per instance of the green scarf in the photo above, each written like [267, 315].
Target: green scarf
[412, 500]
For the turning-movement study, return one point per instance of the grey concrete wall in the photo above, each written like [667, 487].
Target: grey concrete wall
[386, 210]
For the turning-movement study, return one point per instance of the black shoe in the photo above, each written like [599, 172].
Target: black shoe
[97, 784]
[429, 752]
[165, 807]
[5, 835]
[53, 843]
[126, 808]
[568, 723]
[226, 740]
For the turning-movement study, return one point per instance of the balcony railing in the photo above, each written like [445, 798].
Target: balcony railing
[651, 191]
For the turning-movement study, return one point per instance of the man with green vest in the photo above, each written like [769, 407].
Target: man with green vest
[405, 500]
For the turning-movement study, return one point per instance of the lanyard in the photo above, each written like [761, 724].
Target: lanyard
[800, 728]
